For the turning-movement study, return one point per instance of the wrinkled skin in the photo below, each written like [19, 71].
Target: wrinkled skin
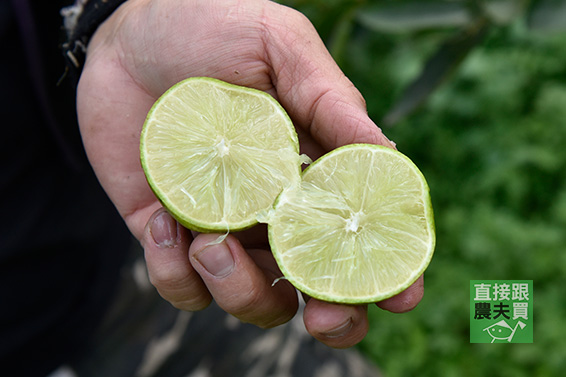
[147, 46]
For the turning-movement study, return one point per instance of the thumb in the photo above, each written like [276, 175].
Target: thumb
[312, 88]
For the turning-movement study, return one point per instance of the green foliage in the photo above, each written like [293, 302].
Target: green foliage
[487, 126]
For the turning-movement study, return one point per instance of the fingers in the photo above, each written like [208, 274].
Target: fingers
[343, 326]
[166, 246]
[338, 326]
[311, 86]
[406, 300]
[190, 273]
[241, 282]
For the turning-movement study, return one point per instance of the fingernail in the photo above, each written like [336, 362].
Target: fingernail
[389, 143]
[164, 230]
[393, 144]
[341, 330]
[216, 259]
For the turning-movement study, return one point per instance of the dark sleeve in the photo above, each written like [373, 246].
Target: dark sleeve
[80, 23]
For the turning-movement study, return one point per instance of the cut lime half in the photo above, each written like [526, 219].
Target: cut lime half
[216, 154]
[359, 229]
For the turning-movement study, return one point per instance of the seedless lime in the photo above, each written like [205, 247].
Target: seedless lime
[359, 228]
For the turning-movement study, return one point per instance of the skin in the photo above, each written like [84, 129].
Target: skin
[147, 46]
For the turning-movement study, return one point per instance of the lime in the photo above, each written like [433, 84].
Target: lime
[216, 154]
[358, 229]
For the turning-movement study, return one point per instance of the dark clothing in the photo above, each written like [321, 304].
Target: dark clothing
[61, 241]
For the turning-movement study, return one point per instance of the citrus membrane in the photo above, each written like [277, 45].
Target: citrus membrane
[216, 154]
[357, 229]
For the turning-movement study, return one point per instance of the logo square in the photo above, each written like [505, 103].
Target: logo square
[501, 311]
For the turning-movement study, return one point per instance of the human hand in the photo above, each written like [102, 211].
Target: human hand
[147, 46]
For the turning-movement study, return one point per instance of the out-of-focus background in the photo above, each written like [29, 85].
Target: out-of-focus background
[475, 93]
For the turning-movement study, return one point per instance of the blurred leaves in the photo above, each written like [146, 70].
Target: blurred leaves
[548, 16]
[437, 68]
[464, 22]
[412, 16]
[476, 91]
[469, 19]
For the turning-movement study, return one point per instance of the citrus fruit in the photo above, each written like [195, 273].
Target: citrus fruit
[358, 229]
[215, 154]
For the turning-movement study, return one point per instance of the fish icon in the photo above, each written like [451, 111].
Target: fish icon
[503, 331]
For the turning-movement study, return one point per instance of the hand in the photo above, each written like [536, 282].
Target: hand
[147, 46]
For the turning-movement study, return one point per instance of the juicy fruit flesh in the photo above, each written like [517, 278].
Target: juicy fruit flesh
[215, 166]
[359, 228]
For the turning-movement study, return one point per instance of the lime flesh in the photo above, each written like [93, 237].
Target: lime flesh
[359, 228]
[216, 154]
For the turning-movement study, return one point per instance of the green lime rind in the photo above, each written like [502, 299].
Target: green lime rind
[184, 218]
[298, 281]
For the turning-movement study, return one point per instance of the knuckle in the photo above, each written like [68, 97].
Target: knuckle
[261, 308]
[193, 304]
[182, 289]
[166, 273]
[245, 304]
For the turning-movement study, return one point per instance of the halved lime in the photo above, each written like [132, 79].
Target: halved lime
[355, 227]
[216, 154]
[358, 229]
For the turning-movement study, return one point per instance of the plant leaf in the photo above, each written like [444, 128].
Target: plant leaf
[503, 12]
[548, 16]
[414, 16]
[439, 66]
